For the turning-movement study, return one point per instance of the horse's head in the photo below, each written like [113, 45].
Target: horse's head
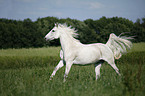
[54, 33]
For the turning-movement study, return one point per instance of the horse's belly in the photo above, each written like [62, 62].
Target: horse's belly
[87, 57]
[83, 62]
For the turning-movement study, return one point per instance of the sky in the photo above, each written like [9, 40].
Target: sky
[74, 9]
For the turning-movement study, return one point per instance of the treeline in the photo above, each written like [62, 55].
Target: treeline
[26, 33]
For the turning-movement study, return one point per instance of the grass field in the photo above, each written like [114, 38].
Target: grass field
[25, 72]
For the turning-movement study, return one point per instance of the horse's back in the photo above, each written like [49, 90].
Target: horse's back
[90, 53]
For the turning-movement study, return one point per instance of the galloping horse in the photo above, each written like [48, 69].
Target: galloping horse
[74, 52]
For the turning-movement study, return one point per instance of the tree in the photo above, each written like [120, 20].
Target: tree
[26, 33]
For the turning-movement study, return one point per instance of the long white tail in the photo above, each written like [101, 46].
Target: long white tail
[119, 45]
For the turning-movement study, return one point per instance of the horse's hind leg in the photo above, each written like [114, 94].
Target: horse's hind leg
[113, 65]
[97, 69]
[60, 64]
[115, 68]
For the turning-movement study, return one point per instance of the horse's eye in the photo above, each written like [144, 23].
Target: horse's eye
[53, 31]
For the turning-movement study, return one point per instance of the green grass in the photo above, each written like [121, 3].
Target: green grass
[138, 47]
[25, 72]
[46, 51]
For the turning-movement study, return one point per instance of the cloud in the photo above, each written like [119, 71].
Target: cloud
[25, 1]
[95, 5]
[58, 2]
[58, 14]
[42, 8]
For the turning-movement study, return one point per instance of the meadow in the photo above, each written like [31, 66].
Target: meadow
[26, 72]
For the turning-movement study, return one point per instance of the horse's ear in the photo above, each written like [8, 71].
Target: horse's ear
[56, 24]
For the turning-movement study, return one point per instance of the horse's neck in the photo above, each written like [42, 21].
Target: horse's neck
[67, 42]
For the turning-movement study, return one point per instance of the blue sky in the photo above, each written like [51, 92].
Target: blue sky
[75, 9]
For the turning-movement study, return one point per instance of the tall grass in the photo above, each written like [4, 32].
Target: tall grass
[45, 51]
[25, 72]
[138, 47]
[32, 57]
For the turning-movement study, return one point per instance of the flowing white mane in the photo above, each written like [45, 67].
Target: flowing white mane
[69, 30]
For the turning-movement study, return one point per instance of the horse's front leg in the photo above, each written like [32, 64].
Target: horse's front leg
[60, 64]
[68, 66]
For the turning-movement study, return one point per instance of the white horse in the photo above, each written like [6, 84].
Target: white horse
[74, 52]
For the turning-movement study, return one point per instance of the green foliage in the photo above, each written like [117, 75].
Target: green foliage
[18, 34]
[26, 33]
[104, 26]
[25, 72]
